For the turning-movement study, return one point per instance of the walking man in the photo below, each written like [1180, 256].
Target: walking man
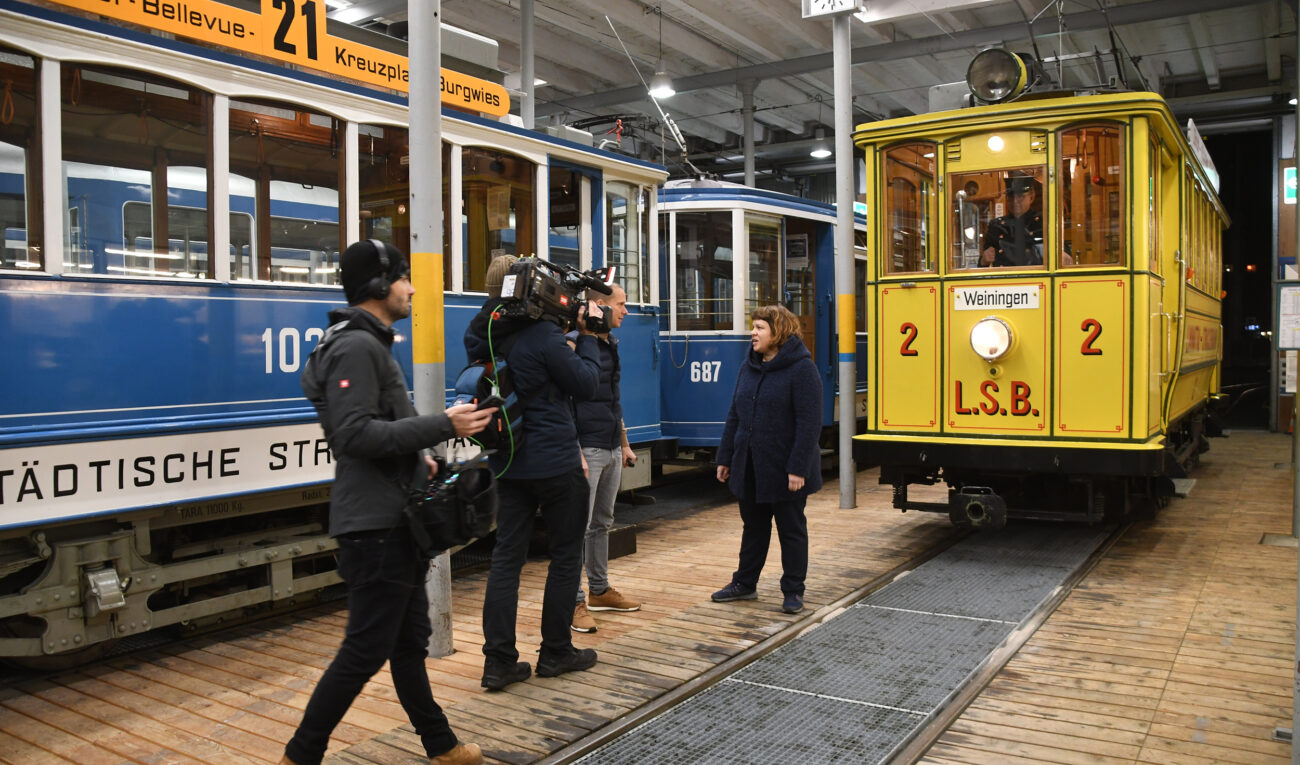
[376, 437]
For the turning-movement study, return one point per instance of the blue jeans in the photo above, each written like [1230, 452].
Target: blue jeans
[388, 620]
[604, 474]
[563, 502]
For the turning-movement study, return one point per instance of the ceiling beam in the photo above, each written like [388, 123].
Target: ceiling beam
[1204, 49]
[1152, 10]
[1271, 26]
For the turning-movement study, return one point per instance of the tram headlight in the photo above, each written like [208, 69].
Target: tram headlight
[996, 75]
[990, 338]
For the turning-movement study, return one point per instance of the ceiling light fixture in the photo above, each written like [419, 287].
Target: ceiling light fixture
[661, 85]
[821, 149]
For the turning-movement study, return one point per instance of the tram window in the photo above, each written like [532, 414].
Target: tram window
[285, 169]
[627, 243]
[187, 232]
[909, 188]
[764, 264]
[1153, 194]
[566, 217]
[703, 270]
[997, 218]
[860, 293]
[20, 218]
[384, 188]
[861, 243]
[133, 137]
[1092, 196]
[498, 211]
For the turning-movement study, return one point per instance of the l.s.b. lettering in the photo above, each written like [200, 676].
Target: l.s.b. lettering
[992, 400]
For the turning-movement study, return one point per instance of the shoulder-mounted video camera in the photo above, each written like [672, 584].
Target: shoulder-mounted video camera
[538, 289]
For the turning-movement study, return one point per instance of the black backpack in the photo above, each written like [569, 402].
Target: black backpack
[492, 377]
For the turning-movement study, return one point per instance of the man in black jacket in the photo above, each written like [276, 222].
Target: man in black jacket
[1017, 239]
[375, 435]
[545, 473]
[605, 450]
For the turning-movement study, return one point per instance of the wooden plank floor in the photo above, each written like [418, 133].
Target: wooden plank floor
[237, 697]
[1177, 648]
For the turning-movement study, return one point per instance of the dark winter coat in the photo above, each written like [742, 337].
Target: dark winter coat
[774, 422]
[361, 397]
[546, 374]
[600, 418]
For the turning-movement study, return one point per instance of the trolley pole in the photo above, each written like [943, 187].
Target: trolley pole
[846, 301]
[427, 349]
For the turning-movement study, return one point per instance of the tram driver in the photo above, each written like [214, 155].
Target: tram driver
[1017, 239]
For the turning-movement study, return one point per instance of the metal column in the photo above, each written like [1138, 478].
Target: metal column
[526, 77]
[427, 349]
[846, 301]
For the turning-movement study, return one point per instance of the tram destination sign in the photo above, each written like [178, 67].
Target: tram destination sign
[293, 31]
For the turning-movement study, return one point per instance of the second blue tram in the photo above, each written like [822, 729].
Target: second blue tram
[726, 250]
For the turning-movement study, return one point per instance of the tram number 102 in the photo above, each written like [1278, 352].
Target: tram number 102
[706, 371]
[284, 350]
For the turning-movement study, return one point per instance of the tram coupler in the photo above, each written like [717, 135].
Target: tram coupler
[977, 506]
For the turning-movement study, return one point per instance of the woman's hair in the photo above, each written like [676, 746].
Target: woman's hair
[496, 272]
[784, 324]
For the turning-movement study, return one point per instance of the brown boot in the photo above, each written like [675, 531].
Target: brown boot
[612, 600]
[582, 621]
[461, 754]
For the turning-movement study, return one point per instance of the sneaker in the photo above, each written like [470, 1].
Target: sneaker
[460, 754]
[575, 660]
[582, 621]
[734, 591]
[498, 676]
[612, 600]
[793, 604]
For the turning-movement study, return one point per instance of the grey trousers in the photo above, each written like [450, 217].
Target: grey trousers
[604, 473]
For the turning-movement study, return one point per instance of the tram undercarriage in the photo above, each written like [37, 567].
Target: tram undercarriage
[1049, 482]
[69, 591]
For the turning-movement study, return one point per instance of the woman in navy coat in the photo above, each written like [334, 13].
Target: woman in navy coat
[769, 456]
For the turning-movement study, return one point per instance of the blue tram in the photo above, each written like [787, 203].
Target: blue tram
[172, 219]
[726, 250]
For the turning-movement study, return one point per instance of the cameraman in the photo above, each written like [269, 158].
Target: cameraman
[545, 473]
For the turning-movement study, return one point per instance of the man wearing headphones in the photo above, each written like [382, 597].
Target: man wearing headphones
[376, 438]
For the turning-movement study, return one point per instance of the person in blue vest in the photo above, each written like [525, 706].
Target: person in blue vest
[769, 455]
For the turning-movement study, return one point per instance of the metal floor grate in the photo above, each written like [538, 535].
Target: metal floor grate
[858, 686]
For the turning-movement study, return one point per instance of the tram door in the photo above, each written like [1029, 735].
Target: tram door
[763, 243]
[800, 265]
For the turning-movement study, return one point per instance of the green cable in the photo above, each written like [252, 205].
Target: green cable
[505, 415]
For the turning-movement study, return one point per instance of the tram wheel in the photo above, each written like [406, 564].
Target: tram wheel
[29, 627]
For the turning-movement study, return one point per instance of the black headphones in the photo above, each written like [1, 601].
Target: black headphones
[378, 286]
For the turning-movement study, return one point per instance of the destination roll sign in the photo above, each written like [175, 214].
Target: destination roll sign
[293, 31]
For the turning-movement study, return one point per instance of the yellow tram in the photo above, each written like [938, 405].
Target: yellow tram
[1043, 295]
